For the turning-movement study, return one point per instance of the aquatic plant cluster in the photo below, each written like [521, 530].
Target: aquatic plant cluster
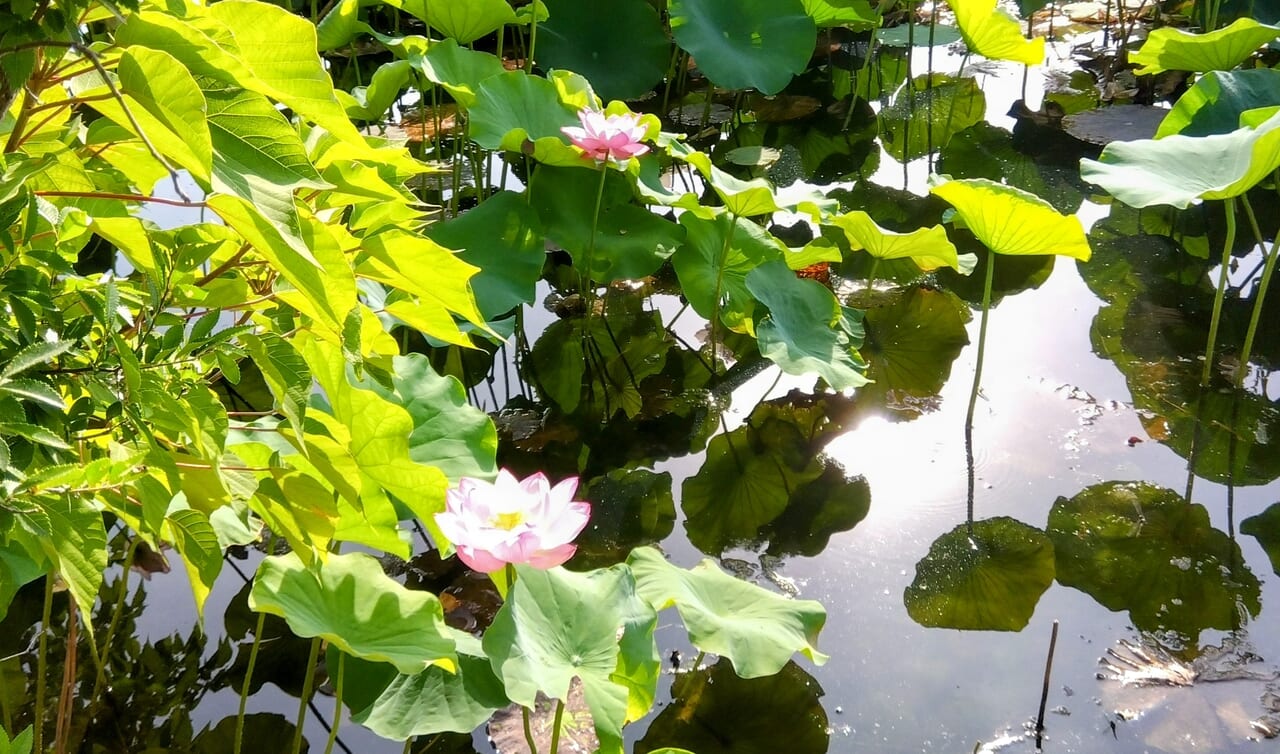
[259, 265]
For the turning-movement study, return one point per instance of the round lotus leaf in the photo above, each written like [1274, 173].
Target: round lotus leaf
[742, 44]
[1104, 125]
[619, 45]
[986, 576]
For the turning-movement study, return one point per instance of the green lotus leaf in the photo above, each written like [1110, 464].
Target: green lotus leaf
[713, 711]
[928, 247]
[703, 260]
[630, 241]
[1214, 104]
[462, 20]
[514, 107]
[557, 625]
[853, 14]
[911, 345]
[504, 239]
[989, 32]
[982, 576]
[459, 70]
[259, 727]
[1179, 170]
[1012, 221]
[619, 45]
[807, 331]
[743, 44]
[372, 102]
[399, 706]
[830, 504]
[350, 602]
[750, 198]
[756, 630]
[1171, 49]
[1265, 527]
[1141, 548]
[927, 112]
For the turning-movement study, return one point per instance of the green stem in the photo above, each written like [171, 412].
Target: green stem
[1230, 206]
[584, 277]
[248, 679]
[871, 275]
[337, 706]
[715, 303]
[528, 731]
[307, 682]
[555, 727]
[41, 658]
[533, 39]
[982, 340]
[1269, 268]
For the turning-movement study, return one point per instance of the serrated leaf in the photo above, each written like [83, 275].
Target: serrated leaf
[34, 355]
[194, 538]
[71, 534]
[33, 390]
[34, 433]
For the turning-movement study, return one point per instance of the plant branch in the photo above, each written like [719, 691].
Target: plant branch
[125, 198]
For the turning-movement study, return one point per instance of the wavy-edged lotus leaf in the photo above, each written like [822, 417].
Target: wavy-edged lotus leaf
[459, 70]
[989, 32]
[745, 44]
[350, 602]
[1172, 49]
[1214, 104]
[619, 45]
[756, 630]
[513, 108]
[399, 706]
[372, 102]
[857, 15]
[711, 261]
[534, 649]
[629, 508]
[462, 20]
[1265, 527]
[749, 198]
[630, 241]
[911, 344]
[714, 712]
[927, 247]
[1141, 548]
[927, 112]
[1011, 221]
[502, 237]
[982, 576]
[1179, 170]
[807, 331]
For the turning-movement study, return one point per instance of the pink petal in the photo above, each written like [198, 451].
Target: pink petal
[566, 524]
[551, 558]
[479, 560]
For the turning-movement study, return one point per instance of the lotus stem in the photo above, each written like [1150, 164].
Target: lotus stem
[1044, 689]
[871, 274]
[555, 727]
[1267, 270]
[533, 38]
[307, 683]
[248, 679]
[337, 706]
[584, 276]
[1230, 206]
[715, 312]
[977, 375]
[528, 731]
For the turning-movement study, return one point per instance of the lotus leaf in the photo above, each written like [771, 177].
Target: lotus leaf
[1171, 49]
[989, 32]
[852, 14]
[928, 247]
[1265, 527]
[1214, 104]
[462, 20]
[1012, 221]
[619, 45]
[459, 70]
[743, 44]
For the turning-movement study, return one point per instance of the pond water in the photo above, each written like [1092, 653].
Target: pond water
[1083, 512]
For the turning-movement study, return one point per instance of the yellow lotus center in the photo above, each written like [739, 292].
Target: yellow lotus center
[508, 521]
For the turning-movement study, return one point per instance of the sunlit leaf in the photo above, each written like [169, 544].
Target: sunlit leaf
[928, 247]
[852, 14]
[348, 601]
[742, 44]
[1172, 49]
[461, 20]
[927, 111]
[1012, 221]
[459, 70]
[195, 540]
[513, 107]
[1213, 104]
[991, 33]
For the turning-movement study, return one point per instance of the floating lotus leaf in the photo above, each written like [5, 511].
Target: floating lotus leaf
[1265, 527]
[350, 602]
[1011, 221]
[1141, 548]
[984, 576]
[629, 508]
[989, 32]
[715, 712]
[745, 44]
[986, 151]
[399, 706]
[924, 116]
[1214, 104]
[513, 108]
[807, 331]
[756, 630]
[928, 247]
[1171, 49]
[1178, 170]
[915, 35]
[851, 14]
[534, 649]
[619, 45]
[1103, 125]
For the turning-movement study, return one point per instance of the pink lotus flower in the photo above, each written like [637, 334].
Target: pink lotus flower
[525, 522]
[608, 136]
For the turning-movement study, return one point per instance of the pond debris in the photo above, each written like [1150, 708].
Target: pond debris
[1149, 664]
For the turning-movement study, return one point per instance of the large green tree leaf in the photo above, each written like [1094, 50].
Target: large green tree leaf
[620, 45]
[1179, 170]
[348, 601]
[163, 86]
[69, 531]
[557, 625]
[743, 44]
[987, 576]
[991, 33]
[1012, 221]
[757, 630]
[1141, 548]
[1172, 49]
[807, 331]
